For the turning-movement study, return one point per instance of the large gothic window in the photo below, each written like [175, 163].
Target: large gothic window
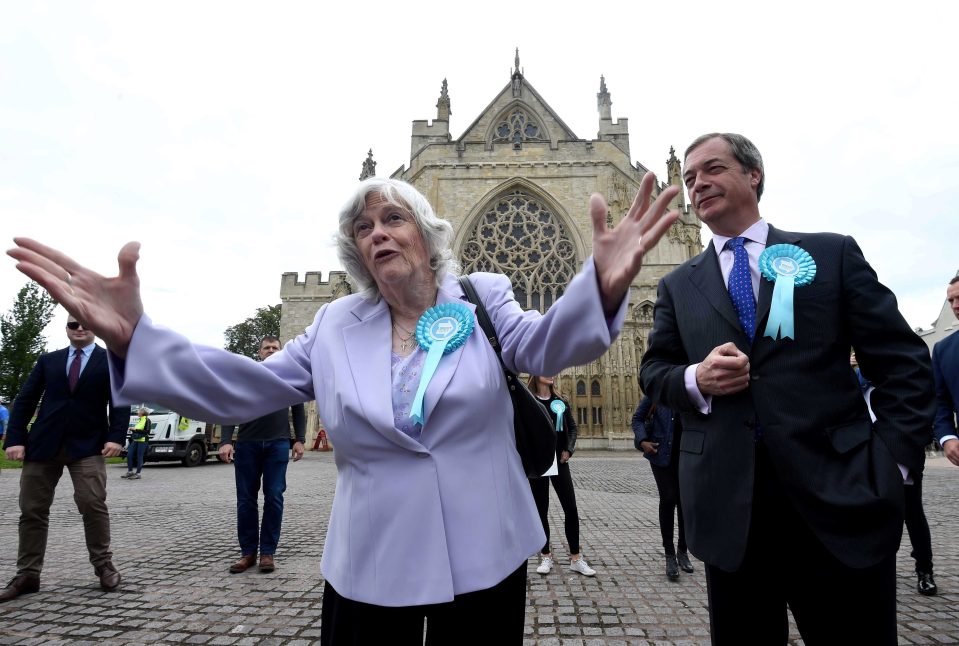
[520, 237]
[517, 127]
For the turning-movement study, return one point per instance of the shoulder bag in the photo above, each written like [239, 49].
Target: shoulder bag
[532, 423]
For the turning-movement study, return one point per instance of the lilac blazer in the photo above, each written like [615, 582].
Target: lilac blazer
[413, 522]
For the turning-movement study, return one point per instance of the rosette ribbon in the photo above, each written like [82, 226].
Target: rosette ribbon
[558, 407]
[788, 267]
[441, 330]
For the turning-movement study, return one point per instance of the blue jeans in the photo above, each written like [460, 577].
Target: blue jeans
[253, 462]
[135, 453]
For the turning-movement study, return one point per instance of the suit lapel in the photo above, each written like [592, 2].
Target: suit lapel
[706, 275]
[775, 236]
[368, 343]
[450, 292]
[97, 357]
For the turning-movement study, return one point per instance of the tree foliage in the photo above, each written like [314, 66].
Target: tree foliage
[21, 330]
[244, 338]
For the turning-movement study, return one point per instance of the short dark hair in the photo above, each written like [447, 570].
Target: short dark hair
[269, 337]
[955, 279]
[742, 149]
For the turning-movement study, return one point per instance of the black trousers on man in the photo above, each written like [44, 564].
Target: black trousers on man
[918, 526]
[786, 565]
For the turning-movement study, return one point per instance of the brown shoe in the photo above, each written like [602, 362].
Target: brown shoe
[245, 563]
[20, 584]
[266, 563]
[109, 577]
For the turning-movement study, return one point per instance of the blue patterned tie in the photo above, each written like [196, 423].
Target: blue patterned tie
[741, 287]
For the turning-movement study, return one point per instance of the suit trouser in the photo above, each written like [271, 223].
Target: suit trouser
[918, 526]
[786, 565]
[38, 483]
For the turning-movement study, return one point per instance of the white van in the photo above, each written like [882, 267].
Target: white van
[174, 437]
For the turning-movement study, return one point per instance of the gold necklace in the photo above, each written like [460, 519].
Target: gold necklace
[405, 343]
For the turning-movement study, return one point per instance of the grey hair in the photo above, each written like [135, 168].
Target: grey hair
[437, 233]
[742, 149]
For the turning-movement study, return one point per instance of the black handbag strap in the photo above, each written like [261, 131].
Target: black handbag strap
[484, 320]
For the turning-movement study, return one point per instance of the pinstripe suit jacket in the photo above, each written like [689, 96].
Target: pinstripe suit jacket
[837, 467]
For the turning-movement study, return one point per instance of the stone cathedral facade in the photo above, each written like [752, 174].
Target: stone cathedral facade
[515, 185]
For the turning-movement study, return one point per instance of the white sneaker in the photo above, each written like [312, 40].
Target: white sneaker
[582, 567]
[545, 565]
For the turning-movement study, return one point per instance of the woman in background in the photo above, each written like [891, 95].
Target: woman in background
[562, 481]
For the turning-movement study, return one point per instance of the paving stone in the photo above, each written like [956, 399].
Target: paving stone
[183, 593]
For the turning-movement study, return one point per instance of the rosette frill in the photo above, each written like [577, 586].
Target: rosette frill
[788, 267]
[558, 407]
[441, 330]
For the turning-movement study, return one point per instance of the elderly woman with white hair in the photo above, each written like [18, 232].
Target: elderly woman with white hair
[432, 519]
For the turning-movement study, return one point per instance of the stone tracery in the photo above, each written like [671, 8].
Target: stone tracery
[519, 236]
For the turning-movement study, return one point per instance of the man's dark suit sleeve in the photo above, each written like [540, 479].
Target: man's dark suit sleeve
[25, 405]
[894, 358]
[662, 373]
[945, 423]
[119, 423]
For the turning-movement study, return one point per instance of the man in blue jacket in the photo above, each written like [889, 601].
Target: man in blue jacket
[945, 365]
[77, 427]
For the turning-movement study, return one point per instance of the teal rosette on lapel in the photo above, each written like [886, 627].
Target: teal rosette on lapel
[440, 330]
[788, 267]
[559, 408]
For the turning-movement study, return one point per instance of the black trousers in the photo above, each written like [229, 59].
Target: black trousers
[563, 485]
[786, 565]
[667, 482]
[492, 616]
[918, 526]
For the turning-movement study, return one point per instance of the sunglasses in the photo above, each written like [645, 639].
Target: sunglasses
[75, 325]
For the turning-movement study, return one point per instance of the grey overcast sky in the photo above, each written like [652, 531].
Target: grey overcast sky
[225, 135]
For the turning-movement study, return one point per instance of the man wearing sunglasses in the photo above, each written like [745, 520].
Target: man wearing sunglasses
[76, 427]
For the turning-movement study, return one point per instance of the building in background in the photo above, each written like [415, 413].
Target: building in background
[515, 185]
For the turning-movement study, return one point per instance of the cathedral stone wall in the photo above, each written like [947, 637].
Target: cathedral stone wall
[516, 188]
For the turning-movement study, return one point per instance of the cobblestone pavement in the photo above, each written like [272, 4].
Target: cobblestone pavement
[174, 538]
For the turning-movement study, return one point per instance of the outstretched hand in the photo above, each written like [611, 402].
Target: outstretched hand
[618, 252]
[109, 307]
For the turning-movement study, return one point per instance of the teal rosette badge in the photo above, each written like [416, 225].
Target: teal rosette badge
[440, 330]
[788, 267]
[558, 407]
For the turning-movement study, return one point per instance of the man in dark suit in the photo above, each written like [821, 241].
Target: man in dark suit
[72, 430]
[945, 363]
[790, 495]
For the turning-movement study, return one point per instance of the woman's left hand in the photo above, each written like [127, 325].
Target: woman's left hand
[618, 252]
[564, 457]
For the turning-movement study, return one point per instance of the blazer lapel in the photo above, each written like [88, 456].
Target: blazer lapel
[708, 279]
[94, 363]
[368, 343]
[775, 236]
[450, 292]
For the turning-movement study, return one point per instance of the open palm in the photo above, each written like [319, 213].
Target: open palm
[109, 307]
[618, 252]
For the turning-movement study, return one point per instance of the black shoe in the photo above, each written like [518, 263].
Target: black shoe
[20, 584]
[109, 577]
[926, 585]
[672, 568]
[684, 563]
